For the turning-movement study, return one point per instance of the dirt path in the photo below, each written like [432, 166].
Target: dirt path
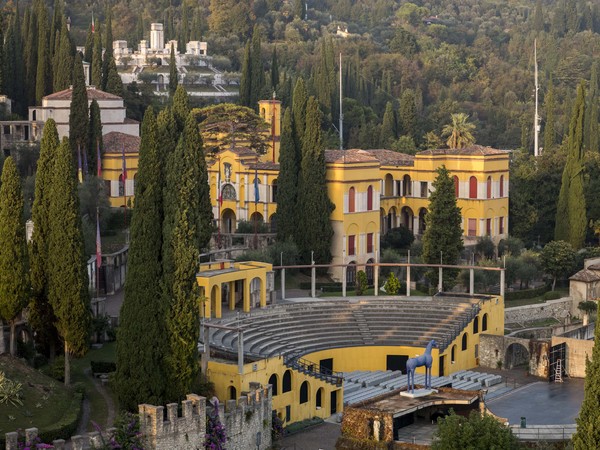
[86, 413]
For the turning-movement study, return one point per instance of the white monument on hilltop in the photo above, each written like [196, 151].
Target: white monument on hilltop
[157, 37]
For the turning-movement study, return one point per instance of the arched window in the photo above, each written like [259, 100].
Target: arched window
[273, 383]
[319, 398]
[406, 186]
[370, 198]
[501, 185]
[304, 392]
[464, 342]
[476, 325]
[489, 187]
[455, 179]
[473, 187]
[453, 354]
[484, 322]
[232, 393]
[228, 192]
[286, 385]
[351, 200]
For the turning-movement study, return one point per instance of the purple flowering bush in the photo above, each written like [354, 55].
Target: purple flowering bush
[215, 438]
[126, 436]
[33, 445]
[277, 430]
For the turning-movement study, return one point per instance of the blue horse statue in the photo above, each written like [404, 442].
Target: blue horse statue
[423, 360]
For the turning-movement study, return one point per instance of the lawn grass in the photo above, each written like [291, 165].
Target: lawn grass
[534, 300]
[98, 406]
[45, 400]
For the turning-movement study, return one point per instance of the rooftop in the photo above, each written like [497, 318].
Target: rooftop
[92, 94]
[392, 158]
[586, 275]
[116, 142]
[349, 156]
[473, 150]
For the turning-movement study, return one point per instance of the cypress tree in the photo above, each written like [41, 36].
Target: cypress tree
[314, 202]
[54, 57]
[41, 314]
[97, 61]
[588, 420]
[408, 114]
[187, 228]
[43, 81]
[2, 62]
[88, 51]
[538, 17]
[388, 127]
[173, 81]
[14, 275]
[141, 343]
[30, 51]
[246, 79]
[56, 25]
[181, 108]
[64, 72]
[443, 232]
[167, 134]
[549, 131]
[299, 102]
[114, 84]
[94, 137]
[591, 124]
[287, 182]
[17, 62]
[108, 49]
[257, 72]
[274, 69]
[571, 219]
[78, 115]
[68, 279]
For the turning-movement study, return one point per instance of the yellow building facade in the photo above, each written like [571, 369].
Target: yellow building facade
[120, 151]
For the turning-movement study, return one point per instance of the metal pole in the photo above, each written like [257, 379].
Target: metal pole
[408, 276]
[344, 269]
[471, 281]
[440, 274]
[502, 282]
[313, 275]
[376, 274]
[282, 278]
[341, 109]
[240, 352]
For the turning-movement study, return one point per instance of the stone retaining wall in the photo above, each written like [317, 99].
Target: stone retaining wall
[558, 309]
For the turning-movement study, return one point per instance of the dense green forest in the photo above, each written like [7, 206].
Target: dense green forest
[407, 66]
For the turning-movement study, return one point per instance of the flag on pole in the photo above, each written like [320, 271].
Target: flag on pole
[98, 243]
[256, 193]
[219, 194]
[98, 159]
[124, 170]
[79, 171]
[93, 25]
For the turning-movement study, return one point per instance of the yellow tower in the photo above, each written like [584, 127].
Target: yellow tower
[270, 111]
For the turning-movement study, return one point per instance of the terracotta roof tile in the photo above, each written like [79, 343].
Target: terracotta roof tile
[586, 276]
[392, 158]
[92, 93]
[472, 150]
[115, 141]
[349, 156]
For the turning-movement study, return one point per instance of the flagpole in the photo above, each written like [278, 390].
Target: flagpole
[256, 204]
[124, 174]
[219, 200]
[98, 253]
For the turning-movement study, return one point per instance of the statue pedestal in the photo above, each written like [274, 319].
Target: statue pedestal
[418, 393]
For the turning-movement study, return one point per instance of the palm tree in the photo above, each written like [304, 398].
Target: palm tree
[459, 132]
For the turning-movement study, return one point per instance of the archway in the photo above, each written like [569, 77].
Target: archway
[160, 80]
[255, 290]
[273, 381]
[407, 216]
[391, 218]
[351, 274]
[256, 220]
[369, 272]
[406, 186]
[388, 185]
[286, 384]
[304, 392]
[516, 355]
[232, 393]
[228, 221]
[319, 398]
[273, 223]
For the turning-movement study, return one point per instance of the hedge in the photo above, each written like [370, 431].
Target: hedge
[67, 425]
[527, 293]
[349, 443]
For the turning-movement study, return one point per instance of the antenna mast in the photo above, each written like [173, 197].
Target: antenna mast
[536, 119]
[341, 110]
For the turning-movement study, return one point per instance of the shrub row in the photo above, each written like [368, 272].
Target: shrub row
[350, 443]
[67, 425]
[527, 293]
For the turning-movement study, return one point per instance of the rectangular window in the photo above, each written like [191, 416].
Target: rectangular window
[472, 227]
[351, 245]
[424, 189]
[6, 129]
[288, 413]
[488, 227]
[501, 225]
[370, 243]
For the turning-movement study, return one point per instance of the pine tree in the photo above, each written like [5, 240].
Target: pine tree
[257, 71]
[94, 137]
[549, 130]
[181, 108]
[14, 274]
[41, 314]
[68, 279]
[187, 228]
[246, 79]
[588, 420]
[173, 81]
[78, 114]
[274, 69]
[141, 343]
[43, 80]
[443, 232]
[64, 72]
[313, 199]
[388, 127]
[571, 219]
[96, 68]
[88, 51]
[287, 181]
[592, 134]
[114, 84]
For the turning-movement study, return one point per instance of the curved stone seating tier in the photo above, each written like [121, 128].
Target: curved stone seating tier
[307, 327]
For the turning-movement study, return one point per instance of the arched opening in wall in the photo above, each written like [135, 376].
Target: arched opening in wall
[369, 271]
[501, 185]
[286, 384]
[370, 198]
[406, 186]
[456, 185]
[516, 355]
[273, 223]
[453, 354]
[213, 300]
[476, 325]
[351, 200]
[392, 218]
[351, 273]
[488, 187]
[160, 81]
[304, 392]
[232, 393]
[263, 113]
[274, 384]
[406, 216]
[473, 187]
[255, 288]
[465, 342]
[274, 191]
[228, 221]
[388, 185]
[422, 225]
[319, 398]
[484, 322]
[256, 219]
